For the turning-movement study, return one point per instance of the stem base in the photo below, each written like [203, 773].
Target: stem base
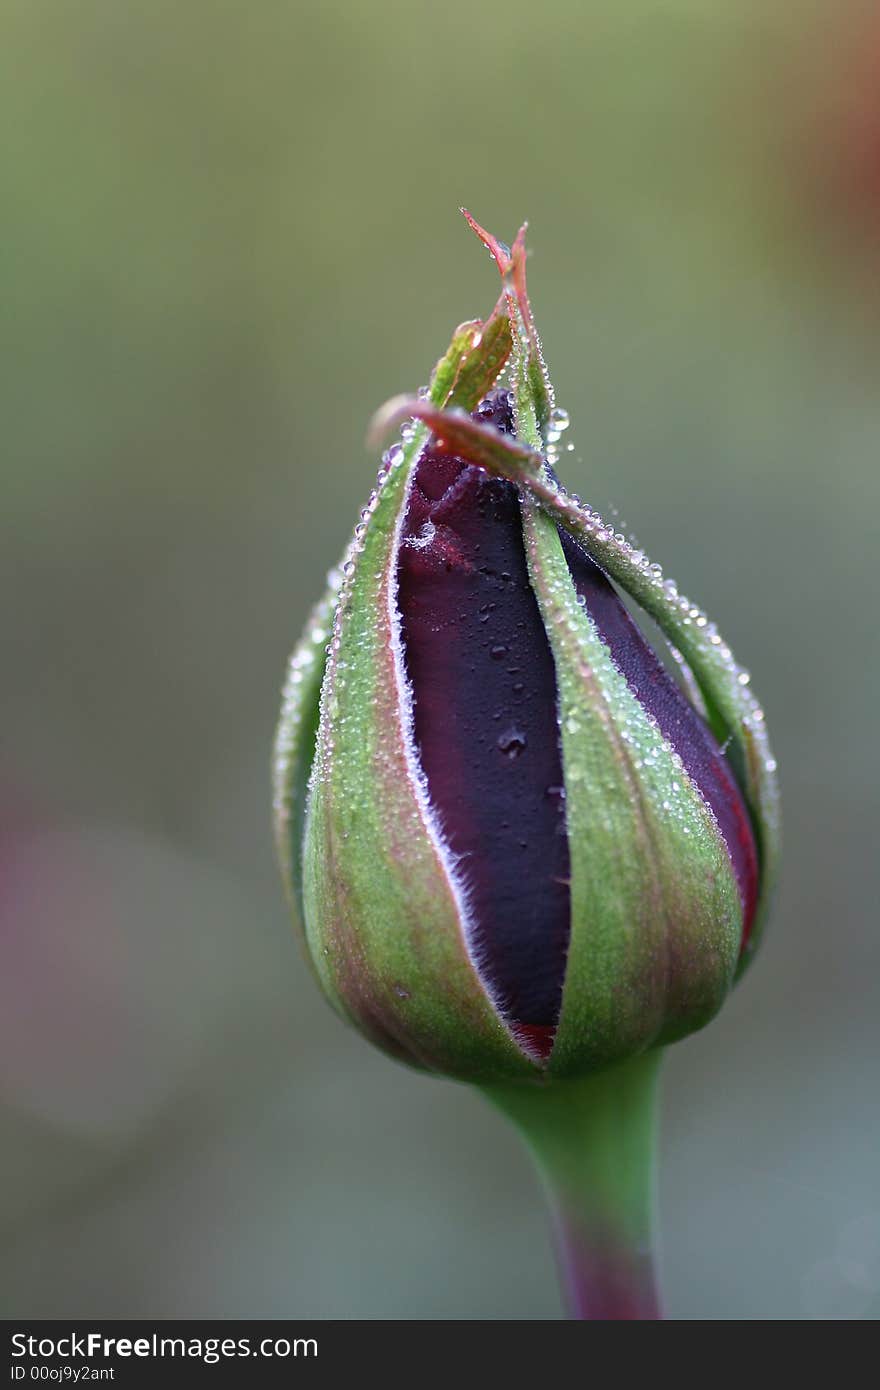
[593, 1141]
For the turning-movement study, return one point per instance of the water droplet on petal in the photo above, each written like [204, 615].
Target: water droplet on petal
[511, 743]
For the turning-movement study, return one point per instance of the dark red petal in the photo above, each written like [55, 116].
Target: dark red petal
[484, 689]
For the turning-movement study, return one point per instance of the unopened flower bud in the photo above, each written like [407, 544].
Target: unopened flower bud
[520, 847]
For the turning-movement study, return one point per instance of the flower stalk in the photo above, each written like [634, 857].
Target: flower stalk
[593, 1142]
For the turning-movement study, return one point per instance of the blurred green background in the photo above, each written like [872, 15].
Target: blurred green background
[229, 232]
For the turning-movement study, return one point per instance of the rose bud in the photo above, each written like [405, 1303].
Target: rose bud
[521, 849]
[517, 845]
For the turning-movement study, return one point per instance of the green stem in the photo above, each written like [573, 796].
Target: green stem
[593, 1141]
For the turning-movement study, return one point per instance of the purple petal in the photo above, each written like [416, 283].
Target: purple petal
[486, 726]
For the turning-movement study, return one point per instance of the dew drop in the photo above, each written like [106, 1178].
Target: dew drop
[511, 743]
[394, 456]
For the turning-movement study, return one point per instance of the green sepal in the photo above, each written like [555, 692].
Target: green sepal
[384, 911]
[293, 752]
[655, 912]
[476, 355]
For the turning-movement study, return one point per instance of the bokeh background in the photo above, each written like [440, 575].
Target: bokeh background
[229, 232]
